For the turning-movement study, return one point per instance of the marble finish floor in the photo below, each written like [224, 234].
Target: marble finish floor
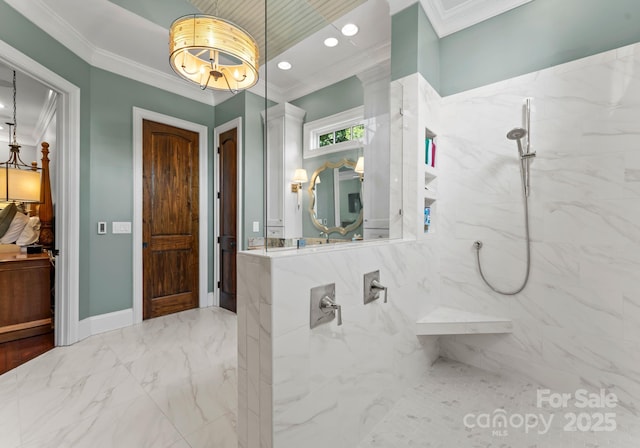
[169, 382]
[449, 409]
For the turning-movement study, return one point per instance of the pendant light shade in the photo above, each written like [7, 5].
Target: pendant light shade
[213, 53]
[19, 185]
[19, 182]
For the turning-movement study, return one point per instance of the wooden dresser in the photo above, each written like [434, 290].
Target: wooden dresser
[26, 329]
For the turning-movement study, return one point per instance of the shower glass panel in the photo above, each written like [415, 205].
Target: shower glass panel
[327, 115]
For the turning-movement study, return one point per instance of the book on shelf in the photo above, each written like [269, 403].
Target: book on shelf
[427, 219]
[430, 152]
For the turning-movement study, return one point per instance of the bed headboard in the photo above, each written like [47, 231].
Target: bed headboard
[45, 209]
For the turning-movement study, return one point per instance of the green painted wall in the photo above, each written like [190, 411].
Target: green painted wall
[415, 47]
[428, 50]
[160, 12]
[106, 153]
[248, 106]
[21, 34]
[540, 34]
[112, 100]
[537, 35]
[338, 97]
[254, 195]
[404, 42]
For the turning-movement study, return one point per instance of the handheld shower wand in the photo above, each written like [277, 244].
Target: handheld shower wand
[518, 134]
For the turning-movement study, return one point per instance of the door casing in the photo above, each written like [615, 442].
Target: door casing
[235, 123]
[67, 273]
[138, 115]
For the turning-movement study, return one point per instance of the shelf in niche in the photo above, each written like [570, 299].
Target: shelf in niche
[448, 321]
[430, 148]
[430, 194]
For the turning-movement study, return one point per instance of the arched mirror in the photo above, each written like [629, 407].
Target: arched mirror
[335, 198]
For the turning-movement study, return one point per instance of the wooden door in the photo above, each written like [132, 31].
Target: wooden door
[169, 219]
[228, 217]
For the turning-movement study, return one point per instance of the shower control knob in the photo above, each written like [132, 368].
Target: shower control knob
[329, 305]
[477, 244]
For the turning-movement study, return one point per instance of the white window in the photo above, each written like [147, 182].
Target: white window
[340, 132]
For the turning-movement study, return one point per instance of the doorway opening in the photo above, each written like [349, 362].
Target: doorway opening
[229, 236]
[67, 196]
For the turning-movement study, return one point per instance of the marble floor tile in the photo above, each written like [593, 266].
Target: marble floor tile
[168, 382]
[447, 410]
[172, 383]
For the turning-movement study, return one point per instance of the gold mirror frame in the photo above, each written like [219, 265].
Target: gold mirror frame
[312, 199]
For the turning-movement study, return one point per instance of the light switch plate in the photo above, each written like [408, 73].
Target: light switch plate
[120, 227]
[256, 226]
[102, 228]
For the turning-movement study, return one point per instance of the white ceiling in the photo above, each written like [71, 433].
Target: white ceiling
[112, 37]
[33, 107]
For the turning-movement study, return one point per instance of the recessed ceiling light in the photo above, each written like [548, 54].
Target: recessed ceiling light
[331, 41]
[350, 29]
[1, 106]
[284, 65]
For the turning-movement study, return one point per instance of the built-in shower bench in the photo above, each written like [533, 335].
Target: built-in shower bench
[444, 320]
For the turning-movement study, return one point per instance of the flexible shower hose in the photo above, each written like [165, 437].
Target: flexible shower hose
[478, 244]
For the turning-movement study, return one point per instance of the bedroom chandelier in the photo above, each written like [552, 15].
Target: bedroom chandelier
[213, 53]
[19, 182]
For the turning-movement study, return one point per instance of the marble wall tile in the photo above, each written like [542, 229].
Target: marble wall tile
[585, 217]
[631, 313]
[342, 377]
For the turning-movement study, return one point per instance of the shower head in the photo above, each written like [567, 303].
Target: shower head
[516, 134]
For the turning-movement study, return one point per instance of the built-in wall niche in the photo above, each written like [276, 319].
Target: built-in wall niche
[430, 175]
[429, 208]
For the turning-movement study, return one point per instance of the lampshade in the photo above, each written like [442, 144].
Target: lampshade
[300, 176]
[213, 52]
[20, 185]
[359, 165]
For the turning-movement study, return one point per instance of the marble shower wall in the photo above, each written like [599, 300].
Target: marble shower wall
[328, 386]
[578, 321]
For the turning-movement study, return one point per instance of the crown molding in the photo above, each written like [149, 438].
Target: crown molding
[47, 113]
[466, 14]
[45, 18]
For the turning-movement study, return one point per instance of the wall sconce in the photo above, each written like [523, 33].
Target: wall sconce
[300, 177]
[360, 167]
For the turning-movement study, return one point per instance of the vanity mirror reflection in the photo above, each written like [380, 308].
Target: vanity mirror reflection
[335, 199]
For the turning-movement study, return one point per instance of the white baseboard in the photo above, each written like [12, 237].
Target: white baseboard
[210, 299]
[104, 322]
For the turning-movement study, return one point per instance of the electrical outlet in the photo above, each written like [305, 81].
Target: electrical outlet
[102, 228]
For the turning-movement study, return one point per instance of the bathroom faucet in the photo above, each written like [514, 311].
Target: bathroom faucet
[324, 233]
